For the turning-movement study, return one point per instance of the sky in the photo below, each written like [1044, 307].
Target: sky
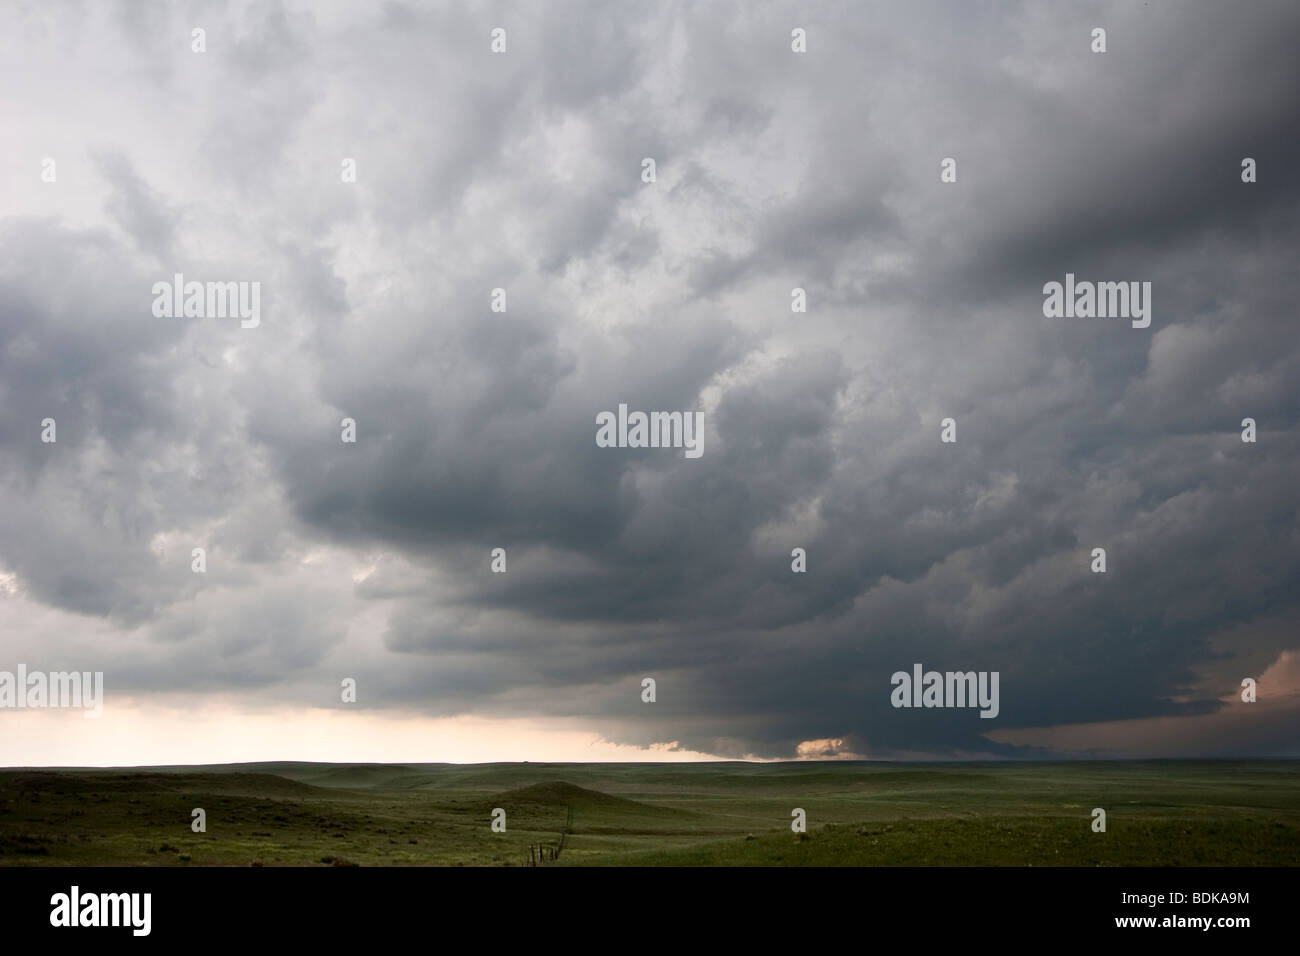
[523, 170]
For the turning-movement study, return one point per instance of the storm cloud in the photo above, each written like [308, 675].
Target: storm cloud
[776, 170]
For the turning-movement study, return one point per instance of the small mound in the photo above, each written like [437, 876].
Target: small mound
[559, 793]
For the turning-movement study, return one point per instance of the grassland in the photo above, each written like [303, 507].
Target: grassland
[721, 814]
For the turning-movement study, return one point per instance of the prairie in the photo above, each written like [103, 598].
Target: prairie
[1162, 813]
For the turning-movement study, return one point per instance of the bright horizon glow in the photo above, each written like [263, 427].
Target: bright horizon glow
[134, 733]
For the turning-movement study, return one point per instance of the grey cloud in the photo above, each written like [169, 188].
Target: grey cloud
[476, 429]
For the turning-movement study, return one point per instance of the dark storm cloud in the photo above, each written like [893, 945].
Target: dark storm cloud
[78, 345]
[476, 429]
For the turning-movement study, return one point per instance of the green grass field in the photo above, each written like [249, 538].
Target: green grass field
[1168, 813]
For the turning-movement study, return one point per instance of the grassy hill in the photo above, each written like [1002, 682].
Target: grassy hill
[1176, 813]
